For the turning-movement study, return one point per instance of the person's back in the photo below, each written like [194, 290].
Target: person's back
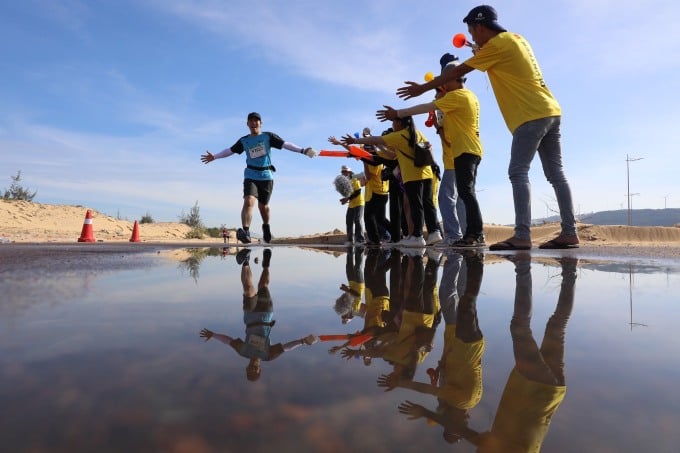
[516, 79]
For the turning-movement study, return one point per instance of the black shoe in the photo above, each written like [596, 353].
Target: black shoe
[243, 235]
[471, 241]
[243, 256]
[266, 257]
[266, 233]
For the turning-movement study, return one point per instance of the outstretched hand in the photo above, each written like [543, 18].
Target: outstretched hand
[388, 114]
[348, 353]
[414, 411]
[347, 140]
[310, 339]
[389, 381]
[334, 140]
[207, 334]
[207, 157]
[412, 90]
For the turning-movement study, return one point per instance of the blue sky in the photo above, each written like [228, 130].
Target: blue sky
[109, 104]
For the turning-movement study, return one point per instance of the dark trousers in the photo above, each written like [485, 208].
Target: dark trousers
[398, 226]
[466, 178]
[374, 217]
[419, 195]
[353, 219]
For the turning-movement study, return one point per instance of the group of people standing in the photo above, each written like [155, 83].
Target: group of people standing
[531, 112]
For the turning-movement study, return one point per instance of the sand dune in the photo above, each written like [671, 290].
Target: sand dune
[22, 221]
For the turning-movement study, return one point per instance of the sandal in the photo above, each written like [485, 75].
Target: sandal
[507, 245]
[561, 242]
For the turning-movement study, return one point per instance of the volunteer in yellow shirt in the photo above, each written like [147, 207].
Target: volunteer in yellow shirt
[531, 112]
[417, 180]
[464, 153]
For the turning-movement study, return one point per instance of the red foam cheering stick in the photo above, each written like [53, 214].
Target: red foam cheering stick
[333, 153]
[459, 40]
[358, 152]
[429, 122]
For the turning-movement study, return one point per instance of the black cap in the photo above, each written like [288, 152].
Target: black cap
[446, 59]
[485, 15]
[254, 115]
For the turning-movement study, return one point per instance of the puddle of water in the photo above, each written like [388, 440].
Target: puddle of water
[493, 352]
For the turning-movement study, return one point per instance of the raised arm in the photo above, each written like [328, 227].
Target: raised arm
[208, 334]
[209, 157]
[413, 89]
[390, 113]
[309, 152]
[308, 340]
[335, 141]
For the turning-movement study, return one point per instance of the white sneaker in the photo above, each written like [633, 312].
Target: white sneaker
[434, 255]
[414, 251]
[413, 241]
[434, 238]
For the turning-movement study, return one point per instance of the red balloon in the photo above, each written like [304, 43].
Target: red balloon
[459, 40]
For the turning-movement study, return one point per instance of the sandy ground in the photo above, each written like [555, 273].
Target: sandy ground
[27, 222]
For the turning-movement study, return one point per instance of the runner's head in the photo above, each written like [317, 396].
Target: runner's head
[254, 123]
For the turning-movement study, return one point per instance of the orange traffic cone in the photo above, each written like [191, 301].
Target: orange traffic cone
[87, 235]
[135, 233]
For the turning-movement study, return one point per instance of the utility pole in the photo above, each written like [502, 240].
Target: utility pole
[628, 161]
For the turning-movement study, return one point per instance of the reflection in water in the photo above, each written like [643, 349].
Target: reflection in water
[350, 302]
[536, 386]
[457, 379]
[398, 326]
[192, 263]
[116, 364]
[258, 316]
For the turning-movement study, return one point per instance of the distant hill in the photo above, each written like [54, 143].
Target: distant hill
[640, 217]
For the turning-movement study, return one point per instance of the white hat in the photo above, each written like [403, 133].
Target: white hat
[345, 168]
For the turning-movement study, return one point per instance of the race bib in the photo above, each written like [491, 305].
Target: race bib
[257, 150]
[257, 342]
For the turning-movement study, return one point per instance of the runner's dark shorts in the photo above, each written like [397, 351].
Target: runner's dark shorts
[262, 190]
[260, 302]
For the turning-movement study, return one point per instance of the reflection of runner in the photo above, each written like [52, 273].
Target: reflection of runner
[258, 316]
[457, 381]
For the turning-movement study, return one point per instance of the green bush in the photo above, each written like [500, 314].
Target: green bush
[193, 219]
[17, 192]
[195, 233]
[146, 218]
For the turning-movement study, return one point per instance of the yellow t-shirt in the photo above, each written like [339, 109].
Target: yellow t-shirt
[516, 78]
[403, 350]
[359, 199]
[523, 416]
[374, 308]
[399, 142]
[374, 182]
[462, 370]
[460, 123]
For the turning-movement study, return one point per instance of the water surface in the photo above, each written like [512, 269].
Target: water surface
[488, 352]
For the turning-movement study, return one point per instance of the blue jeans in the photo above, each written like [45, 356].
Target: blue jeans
[542, 135]
[449, 206]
